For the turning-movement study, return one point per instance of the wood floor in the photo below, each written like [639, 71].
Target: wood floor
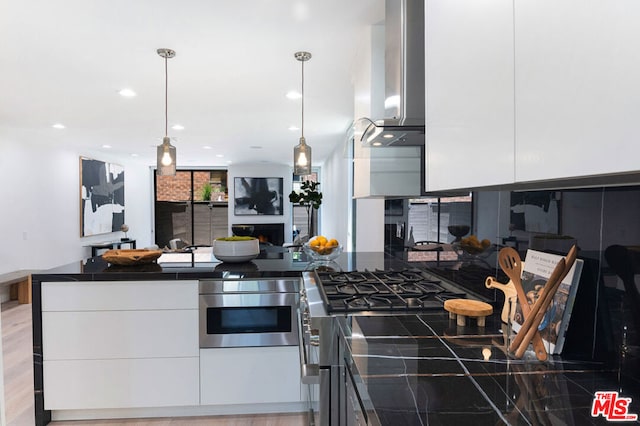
[18, 384]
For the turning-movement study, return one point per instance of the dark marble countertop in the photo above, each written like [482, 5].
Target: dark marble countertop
[425, 370]
[270, 263]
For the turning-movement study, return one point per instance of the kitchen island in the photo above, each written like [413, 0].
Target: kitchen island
[122, 341]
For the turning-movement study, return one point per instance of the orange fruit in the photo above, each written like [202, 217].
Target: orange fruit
[332, 243]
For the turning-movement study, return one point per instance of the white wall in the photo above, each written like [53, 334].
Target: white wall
[263, 170]
[336, 202]
[40, 193]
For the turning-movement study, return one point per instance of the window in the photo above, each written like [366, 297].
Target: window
[430, 217]
[191, 207]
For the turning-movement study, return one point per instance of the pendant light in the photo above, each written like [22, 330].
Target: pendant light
[166, 157]
[302, 151]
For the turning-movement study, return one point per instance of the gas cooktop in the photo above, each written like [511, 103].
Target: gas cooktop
[405, 290]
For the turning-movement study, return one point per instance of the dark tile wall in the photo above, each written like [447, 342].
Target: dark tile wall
[605, 224]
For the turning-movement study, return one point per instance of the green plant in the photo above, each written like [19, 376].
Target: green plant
[309, 197]
[207, 189]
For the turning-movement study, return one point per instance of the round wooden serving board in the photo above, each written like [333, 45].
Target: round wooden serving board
[462, 308]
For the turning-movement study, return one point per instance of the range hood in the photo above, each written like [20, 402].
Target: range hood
[403, 123]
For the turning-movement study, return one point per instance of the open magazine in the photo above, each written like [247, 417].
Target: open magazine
[538, 266]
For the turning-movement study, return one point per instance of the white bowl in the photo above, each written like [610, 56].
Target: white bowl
[235, 251]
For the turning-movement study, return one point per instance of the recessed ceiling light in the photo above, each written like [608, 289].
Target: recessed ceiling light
[387, 136]
[177, 127]
[206, 147]
[127, 93]
[106, 146]
[58, 126]
[294, 128]
[220, 155]
[377, 144]
[228, 161]
[134, 155]
[293, 95]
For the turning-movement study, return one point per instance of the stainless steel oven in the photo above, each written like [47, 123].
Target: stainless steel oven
[242, 313]
[319, 356]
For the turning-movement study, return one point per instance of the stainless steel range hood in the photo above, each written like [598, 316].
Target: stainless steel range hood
[403, 123]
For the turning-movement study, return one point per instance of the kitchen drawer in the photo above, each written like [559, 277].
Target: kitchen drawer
[121, 383]
[250, 375]
[120, 334]
[119, 295]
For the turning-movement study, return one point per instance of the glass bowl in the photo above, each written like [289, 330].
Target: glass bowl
[472, 250]
[326, 256]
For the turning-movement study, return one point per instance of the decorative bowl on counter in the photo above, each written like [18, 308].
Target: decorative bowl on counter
[129, 257]
[321, 256]
[236, 249]
[242, 230]
[458, 231]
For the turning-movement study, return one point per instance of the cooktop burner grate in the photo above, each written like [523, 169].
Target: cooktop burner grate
[408, 290]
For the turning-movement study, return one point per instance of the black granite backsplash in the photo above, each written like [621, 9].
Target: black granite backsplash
[605, 225]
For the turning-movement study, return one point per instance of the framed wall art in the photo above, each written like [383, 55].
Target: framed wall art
[258, 196]
[101, 197]
[535, 211]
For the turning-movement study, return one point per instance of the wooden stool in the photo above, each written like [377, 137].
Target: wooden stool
[460, 309]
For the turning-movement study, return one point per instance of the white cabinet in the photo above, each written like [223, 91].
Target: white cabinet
[120, 344]
[577, 91]
[250, 375]
[119, 334]
[119, 295]
[120, 383]
[469, 72]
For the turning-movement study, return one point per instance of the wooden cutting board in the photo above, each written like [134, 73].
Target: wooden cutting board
[460, 309]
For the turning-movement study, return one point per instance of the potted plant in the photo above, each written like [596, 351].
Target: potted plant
[309, 197]
[207, 189]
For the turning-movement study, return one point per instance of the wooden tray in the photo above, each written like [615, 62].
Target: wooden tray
[131, 256]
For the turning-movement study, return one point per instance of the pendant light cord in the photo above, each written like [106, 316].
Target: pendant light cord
[302, 98]
[166, 98]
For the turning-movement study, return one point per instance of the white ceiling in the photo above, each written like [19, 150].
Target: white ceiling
[64, 61]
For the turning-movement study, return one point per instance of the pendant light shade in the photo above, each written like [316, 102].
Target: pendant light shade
[166, 153]
[302, 151]
[302, 158]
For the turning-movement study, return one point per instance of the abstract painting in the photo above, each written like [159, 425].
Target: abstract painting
[535, 211]
[101, 197]
[258, 196]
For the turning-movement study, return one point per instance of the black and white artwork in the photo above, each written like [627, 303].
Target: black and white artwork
[535, 211]
[101, 197]
[258, 196]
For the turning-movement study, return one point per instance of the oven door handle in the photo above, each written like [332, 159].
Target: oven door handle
[309, 373]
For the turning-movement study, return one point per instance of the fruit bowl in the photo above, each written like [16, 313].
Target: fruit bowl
[327, 255]
[471, 245]
[471, 249]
